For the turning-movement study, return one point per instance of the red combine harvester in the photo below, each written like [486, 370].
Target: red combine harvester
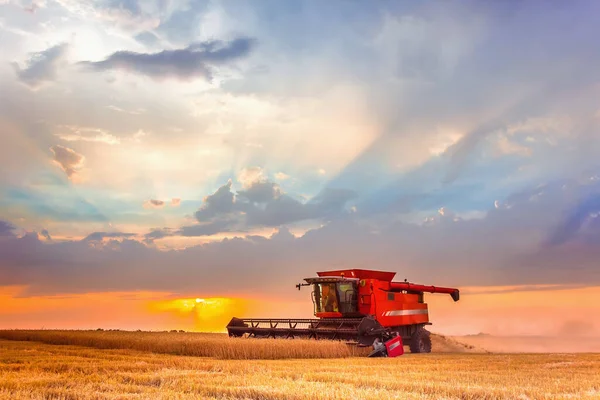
[360, 306]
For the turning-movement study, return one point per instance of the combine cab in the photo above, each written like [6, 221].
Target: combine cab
[359, 306]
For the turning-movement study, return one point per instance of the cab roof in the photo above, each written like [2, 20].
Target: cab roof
[360, 274]
[329, 279]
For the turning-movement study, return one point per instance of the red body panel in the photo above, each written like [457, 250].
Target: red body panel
[393, 308]
[394, 347]
[388, 301]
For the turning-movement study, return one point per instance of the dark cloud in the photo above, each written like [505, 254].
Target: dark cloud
[45, 234]
[69, 160]
[279, 211]
[194, 61]
[331, 200]
[503, 248]
[285, 209]
[200, 229]
[263, 203]
[158, 233]
[42, 67]
[6, 228]
[99, 236]
[220, 202]
[205, 229]
[153, 203]
[147, 38]
[583, 212]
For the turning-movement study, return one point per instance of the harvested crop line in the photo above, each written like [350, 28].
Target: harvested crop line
[192, 344]
[33, 370]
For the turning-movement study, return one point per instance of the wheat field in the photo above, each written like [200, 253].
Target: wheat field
[34, 370]
[216, 345]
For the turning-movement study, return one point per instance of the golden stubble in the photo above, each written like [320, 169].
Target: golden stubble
[30, 370]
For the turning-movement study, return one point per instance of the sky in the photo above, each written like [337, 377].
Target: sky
[158, 152]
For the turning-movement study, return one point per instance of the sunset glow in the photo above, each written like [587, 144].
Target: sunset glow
[201, 315]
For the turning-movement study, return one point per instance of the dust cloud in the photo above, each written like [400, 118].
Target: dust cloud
[526, 344]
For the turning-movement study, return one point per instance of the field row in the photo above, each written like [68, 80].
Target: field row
[30, 370]
[218, 346]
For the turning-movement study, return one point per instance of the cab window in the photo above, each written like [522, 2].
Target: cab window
[326, 298]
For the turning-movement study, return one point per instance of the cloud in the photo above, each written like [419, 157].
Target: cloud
[222, 201]
[137, 137]
[45, 234]
[6, 228]
[128, 15]
[87, 134]
[148, 38]
[153, 203]
[479, 64]
[138, 111]
[249, 175]
[69, 161]
[585, 211]
[284, 209]
[30, 6]
[205, 229]
[194, 61]
[260, 192]
[64, 206]
[159, 233]
[501, 248]
[175, 202]
[257, 187]
[184, 23]
[99, 236]
[281, 176]
[42, 67]
[35, 5]
[506, 146]
[263, 203]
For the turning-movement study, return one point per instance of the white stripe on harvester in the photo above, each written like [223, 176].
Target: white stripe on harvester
[396, 313]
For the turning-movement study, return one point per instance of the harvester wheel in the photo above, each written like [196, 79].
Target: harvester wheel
[420, 342]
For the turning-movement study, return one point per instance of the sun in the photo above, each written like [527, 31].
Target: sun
[210, 314]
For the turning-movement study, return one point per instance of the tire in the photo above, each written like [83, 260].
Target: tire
[420, 342]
